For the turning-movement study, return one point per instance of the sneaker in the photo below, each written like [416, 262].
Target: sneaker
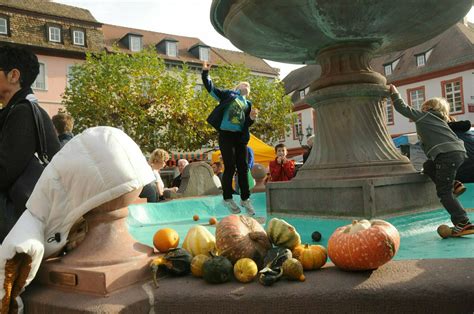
[232, 206]
[248, 206]
[462, 228]
[459, 188]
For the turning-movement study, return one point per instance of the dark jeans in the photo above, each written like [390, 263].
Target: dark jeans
[149, 192]
[443, 171]
[234, 154]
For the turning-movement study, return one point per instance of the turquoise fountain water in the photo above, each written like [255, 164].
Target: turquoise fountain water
[419, 238]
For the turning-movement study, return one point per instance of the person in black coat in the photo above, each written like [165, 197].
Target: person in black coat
[18, 134]
[232, 118]
[462, 129]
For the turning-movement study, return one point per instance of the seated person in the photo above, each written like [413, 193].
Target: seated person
[63, 123]
[182, 163]
[281, 169]
[157, 161]
[217, 168]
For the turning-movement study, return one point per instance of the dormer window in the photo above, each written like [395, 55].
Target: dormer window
[201, 51]
[171, 49]
[135, 43]
[3, 25]
[422, 58]
[204, 53]
[78, 37]
[388, 68]
[54, 33]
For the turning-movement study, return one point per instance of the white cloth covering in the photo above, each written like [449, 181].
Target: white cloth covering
[93, 168]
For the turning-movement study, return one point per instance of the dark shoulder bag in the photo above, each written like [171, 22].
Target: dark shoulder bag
[21, 189]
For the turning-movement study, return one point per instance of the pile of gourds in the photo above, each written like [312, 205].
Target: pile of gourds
[244, 250]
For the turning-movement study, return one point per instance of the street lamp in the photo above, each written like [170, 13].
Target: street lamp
[309, 131]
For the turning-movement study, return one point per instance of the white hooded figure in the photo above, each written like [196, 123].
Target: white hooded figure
[95, 167]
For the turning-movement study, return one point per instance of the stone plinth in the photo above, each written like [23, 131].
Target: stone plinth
[362, 197]
[107, 260]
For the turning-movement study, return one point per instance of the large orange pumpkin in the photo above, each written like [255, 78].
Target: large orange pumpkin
[363, 245]
[165, 239]
[241, 236]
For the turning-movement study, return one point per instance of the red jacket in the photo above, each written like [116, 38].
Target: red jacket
[282, 172]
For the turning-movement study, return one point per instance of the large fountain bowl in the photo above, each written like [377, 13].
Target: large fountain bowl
[295, 31]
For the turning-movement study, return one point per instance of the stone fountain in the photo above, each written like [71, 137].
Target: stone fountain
[354, 169]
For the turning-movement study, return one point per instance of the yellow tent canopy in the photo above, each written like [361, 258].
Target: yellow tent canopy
[263, 153]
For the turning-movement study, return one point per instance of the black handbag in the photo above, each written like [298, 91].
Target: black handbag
[14, 203]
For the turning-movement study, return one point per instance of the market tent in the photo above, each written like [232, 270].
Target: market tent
[263, 153]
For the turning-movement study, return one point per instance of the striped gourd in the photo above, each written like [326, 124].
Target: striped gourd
[199, 240]
[283, 234]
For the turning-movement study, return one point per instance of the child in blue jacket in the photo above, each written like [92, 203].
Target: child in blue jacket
[232, 118]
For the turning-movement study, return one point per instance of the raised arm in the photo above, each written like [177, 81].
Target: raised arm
[206, 80]
[403, 108]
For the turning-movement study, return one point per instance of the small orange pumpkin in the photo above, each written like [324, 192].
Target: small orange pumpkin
[212, 220]
[165, 239]
[311, 256]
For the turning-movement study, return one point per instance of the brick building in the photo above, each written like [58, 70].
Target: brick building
[59, 34]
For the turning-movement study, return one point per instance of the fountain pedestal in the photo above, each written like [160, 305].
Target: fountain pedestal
[107, 260]
[354, 169]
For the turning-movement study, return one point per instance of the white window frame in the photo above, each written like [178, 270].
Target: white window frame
[388, 70]
[302, 93]
[81, 36]
[42, 72]
[198, 88]
[204, 53]
[421, 60]
[134, 40]
[297, 125]
[52, 34]
[169, 51]
[5, 21]
[416, 99]
[452, 95]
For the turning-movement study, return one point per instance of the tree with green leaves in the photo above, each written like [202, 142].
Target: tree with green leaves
[162, 107]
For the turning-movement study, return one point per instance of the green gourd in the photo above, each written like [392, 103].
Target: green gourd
[283, 234]
[217, 269]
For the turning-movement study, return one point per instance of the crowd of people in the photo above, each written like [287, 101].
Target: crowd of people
[29, 138]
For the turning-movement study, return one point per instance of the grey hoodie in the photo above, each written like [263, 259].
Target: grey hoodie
[435, 135]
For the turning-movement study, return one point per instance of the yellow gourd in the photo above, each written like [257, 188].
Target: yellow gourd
[293, 269]
[282, 234]
[245, 270]
[196, 264]
[311, 256]
[199, 240]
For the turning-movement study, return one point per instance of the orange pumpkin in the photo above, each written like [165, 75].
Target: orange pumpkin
[363, 245]
[311, 256]
[165, 239]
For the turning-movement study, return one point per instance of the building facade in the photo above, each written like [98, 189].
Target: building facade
[440, 67]
[58, 34]
[61, 35]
